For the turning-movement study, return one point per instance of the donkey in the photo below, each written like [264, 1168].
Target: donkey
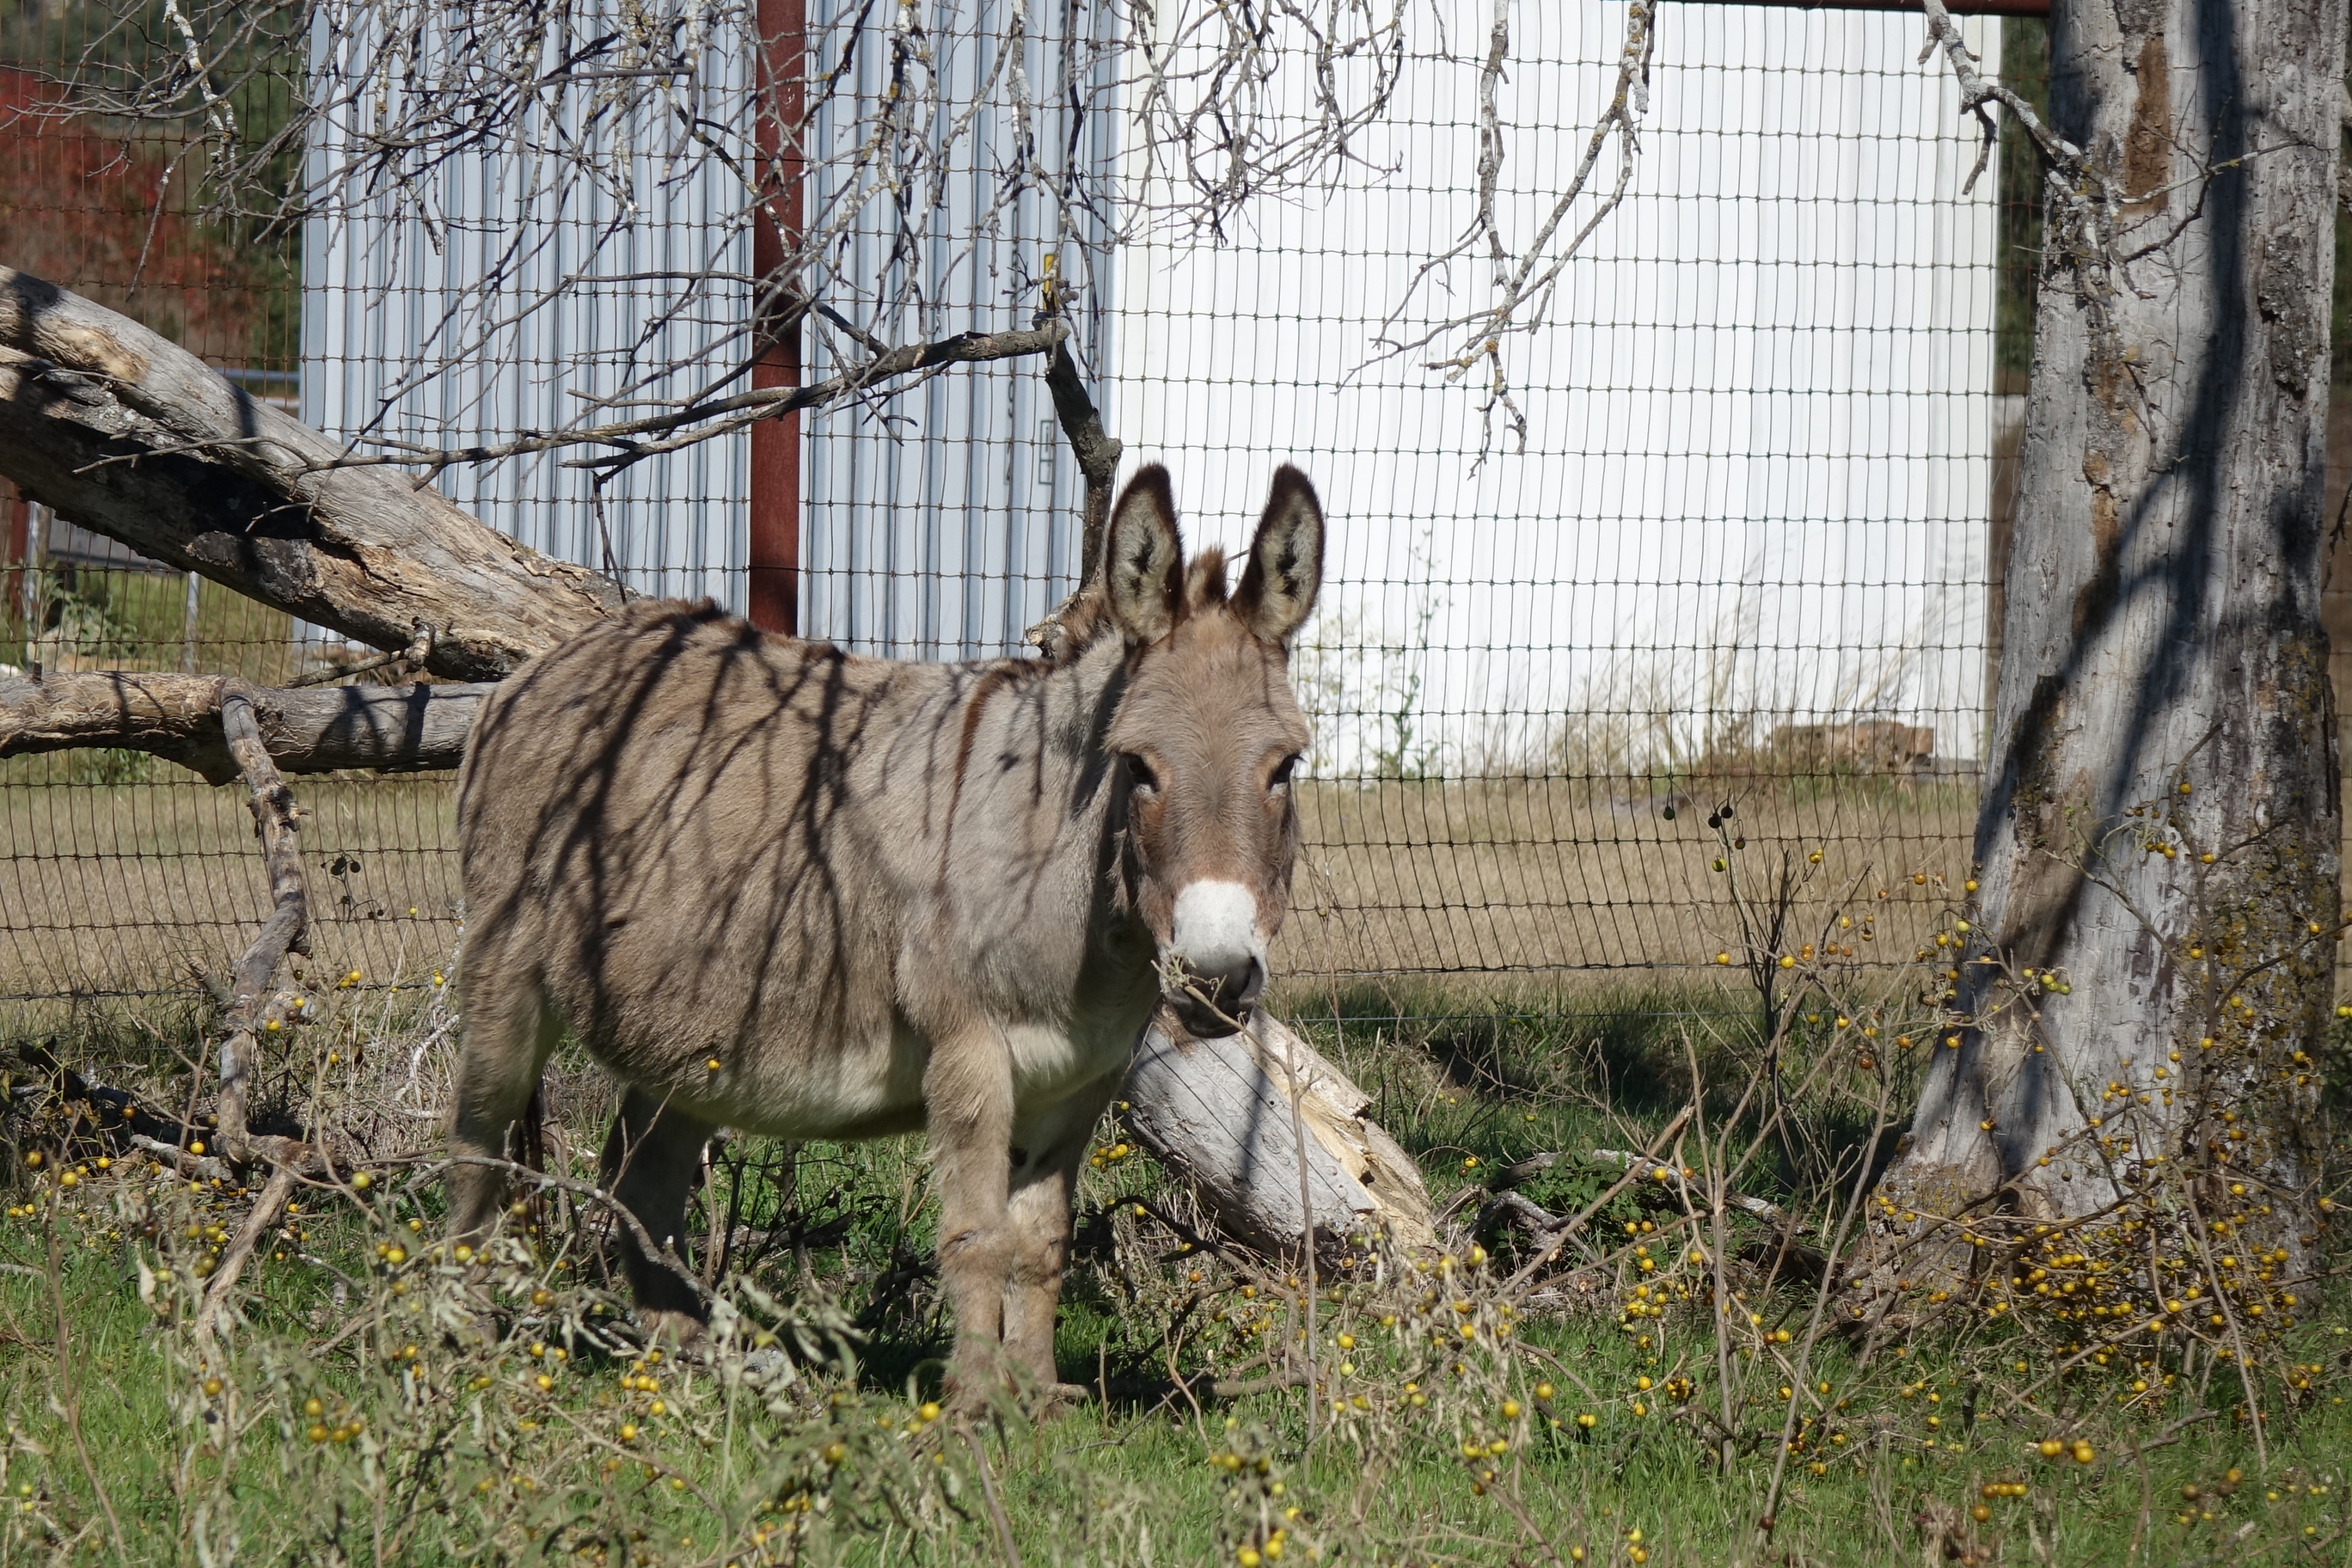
[775, 887]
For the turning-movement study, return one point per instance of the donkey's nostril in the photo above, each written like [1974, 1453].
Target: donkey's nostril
[1217, 1004]
[1217, 956]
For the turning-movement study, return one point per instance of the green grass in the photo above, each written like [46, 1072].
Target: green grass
[457, 1457]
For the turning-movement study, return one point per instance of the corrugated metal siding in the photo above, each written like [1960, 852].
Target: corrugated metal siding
[940, 524]
[943, 522]
[387, 300]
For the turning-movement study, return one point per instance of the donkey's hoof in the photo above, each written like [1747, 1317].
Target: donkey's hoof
[1051, 1397]
[681, 1330]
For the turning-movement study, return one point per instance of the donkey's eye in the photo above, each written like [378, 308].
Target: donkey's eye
[1282, 771]
[1140, 772]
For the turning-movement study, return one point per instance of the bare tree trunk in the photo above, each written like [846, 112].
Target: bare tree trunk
[2158, 843]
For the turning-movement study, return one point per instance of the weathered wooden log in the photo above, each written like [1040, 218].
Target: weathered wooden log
[393, 729]
[129, 434]
[1219, 1113]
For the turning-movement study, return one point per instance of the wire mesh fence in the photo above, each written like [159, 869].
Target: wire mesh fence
[1743, 554]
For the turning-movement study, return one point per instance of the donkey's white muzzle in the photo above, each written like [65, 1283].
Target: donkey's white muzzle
[1220, 953]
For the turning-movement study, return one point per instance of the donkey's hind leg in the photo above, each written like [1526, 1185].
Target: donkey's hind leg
[509, 1032]
[652, 1160]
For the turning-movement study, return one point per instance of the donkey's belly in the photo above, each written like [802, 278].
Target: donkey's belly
[1049, 1063]
[873, 1088]
[869, 1087]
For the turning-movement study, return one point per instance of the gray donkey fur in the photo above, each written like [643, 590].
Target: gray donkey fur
[775, 887]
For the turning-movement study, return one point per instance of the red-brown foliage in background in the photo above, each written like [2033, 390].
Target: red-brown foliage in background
[104, 216]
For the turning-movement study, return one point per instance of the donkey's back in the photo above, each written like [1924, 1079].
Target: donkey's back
[676, 838]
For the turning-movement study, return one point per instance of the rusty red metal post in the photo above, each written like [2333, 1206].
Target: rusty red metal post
[780, 81]
[16, 556]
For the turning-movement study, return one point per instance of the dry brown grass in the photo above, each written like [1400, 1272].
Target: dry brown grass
[106, 890]
[1520, 874]
[113, 888]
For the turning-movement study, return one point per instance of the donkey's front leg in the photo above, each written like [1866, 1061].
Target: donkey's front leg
[653, 1158]
[1047, 1148]
[967, 1103]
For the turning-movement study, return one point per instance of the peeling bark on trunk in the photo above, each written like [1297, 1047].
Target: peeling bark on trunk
[2158, 843]
[132, 437]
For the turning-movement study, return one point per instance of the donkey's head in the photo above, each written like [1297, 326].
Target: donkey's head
[1208, 734]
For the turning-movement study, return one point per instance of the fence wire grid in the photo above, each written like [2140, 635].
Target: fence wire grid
[1746, 556]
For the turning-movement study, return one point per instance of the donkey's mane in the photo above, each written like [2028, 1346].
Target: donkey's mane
[1084, 619]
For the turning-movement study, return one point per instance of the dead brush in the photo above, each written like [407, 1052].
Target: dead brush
[497, 1406]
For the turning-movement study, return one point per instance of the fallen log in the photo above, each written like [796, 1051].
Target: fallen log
[316, 730]
[128, 434]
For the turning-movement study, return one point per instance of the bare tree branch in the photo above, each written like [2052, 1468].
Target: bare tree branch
[392, 729]
[253, 981]
[1524, 280]
[128, 434]
[635, 440]
[1976, 92]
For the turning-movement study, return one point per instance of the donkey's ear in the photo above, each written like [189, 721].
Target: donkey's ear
[1143, 563]
[1285, 561]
